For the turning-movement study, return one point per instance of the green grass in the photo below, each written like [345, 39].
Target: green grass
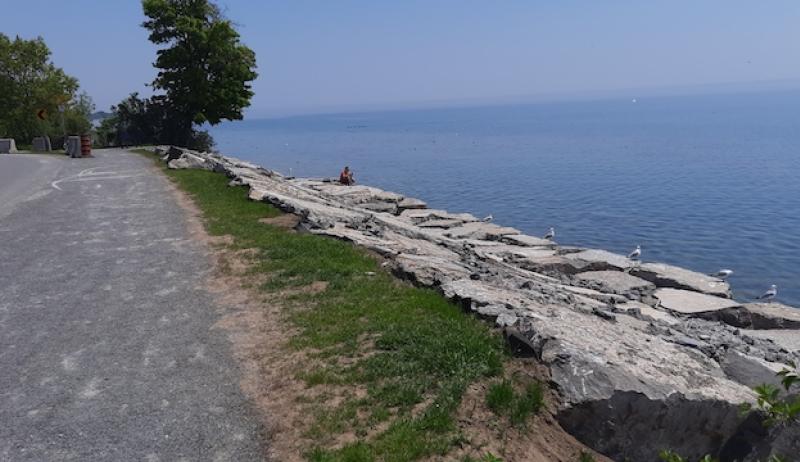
[503, 399]
[500, 396]
[424, 351]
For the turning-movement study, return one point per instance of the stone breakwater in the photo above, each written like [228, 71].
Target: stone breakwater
[644, 356]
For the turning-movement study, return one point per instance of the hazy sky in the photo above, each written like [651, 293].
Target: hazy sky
[334, 54]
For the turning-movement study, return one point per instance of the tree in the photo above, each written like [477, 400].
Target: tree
[32, 88]
[204, 70]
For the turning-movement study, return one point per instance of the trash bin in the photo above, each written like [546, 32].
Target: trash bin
[74, 146]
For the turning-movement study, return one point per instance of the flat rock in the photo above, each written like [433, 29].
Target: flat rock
[527, 241]
[417, 216]
[385, 207]
[440, 223]
[480, 230]
[598, 260]
[692, 303]
[615, 282]
[761, 316]
[772, 316]
[663, 275]
[750, 371]
[645, 311]
[410, 203]
[788, 339]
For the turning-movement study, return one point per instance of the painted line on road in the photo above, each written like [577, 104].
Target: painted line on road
[91, 175]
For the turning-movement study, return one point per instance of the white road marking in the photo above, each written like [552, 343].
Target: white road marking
[91, 175]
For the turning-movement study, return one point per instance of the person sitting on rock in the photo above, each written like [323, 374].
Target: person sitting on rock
[346, 177]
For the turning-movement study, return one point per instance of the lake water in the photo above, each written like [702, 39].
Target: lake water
[703, 182]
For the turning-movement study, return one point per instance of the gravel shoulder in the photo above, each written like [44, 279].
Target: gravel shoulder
[107, 339]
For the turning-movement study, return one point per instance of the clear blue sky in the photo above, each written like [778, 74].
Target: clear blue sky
[328, 55]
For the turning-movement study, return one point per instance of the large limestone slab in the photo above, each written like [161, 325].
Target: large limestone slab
[189, 161]
[785, 338]
[598, 260]
[417, 216]
[615, 282]
[527, 241]
[410, 203]
[359, 194]
[762, 316]
[692, 303]
[644, 311]
[663, 275]
[480, 230]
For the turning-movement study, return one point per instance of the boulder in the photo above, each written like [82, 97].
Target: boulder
[663, 275]
[8, 146]
[692, 303]
[749, 370]
[189, 161]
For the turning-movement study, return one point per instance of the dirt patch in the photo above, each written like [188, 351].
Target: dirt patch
[541, 439]
[284, 221]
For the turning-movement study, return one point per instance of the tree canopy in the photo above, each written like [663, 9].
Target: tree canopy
[204, 69]
[33, 91]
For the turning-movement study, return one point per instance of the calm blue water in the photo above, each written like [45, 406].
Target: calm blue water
[702, 182]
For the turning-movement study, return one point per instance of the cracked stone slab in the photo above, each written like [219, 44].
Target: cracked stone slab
[615, 282]
[692, 303]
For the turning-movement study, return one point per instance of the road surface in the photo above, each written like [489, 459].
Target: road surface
[107, 345]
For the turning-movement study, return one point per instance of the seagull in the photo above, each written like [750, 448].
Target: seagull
[636, 253]
[771, 293]
[488, 218]
[550, 234]
[722, 274]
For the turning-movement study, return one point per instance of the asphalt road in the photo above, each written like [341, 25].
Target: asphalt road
[107, 350]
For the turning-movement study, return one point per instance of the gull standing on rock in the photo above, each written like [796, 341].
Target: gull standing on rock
[722, 274]
[771, 293]
[637, 252]
[550, 234]
[488, 218]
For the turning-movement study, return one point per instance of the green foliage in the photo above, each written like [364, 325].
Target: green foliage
[503, 399]
[413, 352]
[779, 408]
[136, 121]
[30, 83]
[204, 69]
[586, 457]
[500, 396]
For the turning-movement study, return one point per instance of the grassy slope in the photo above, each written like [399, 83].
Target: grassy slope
[411, 352]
